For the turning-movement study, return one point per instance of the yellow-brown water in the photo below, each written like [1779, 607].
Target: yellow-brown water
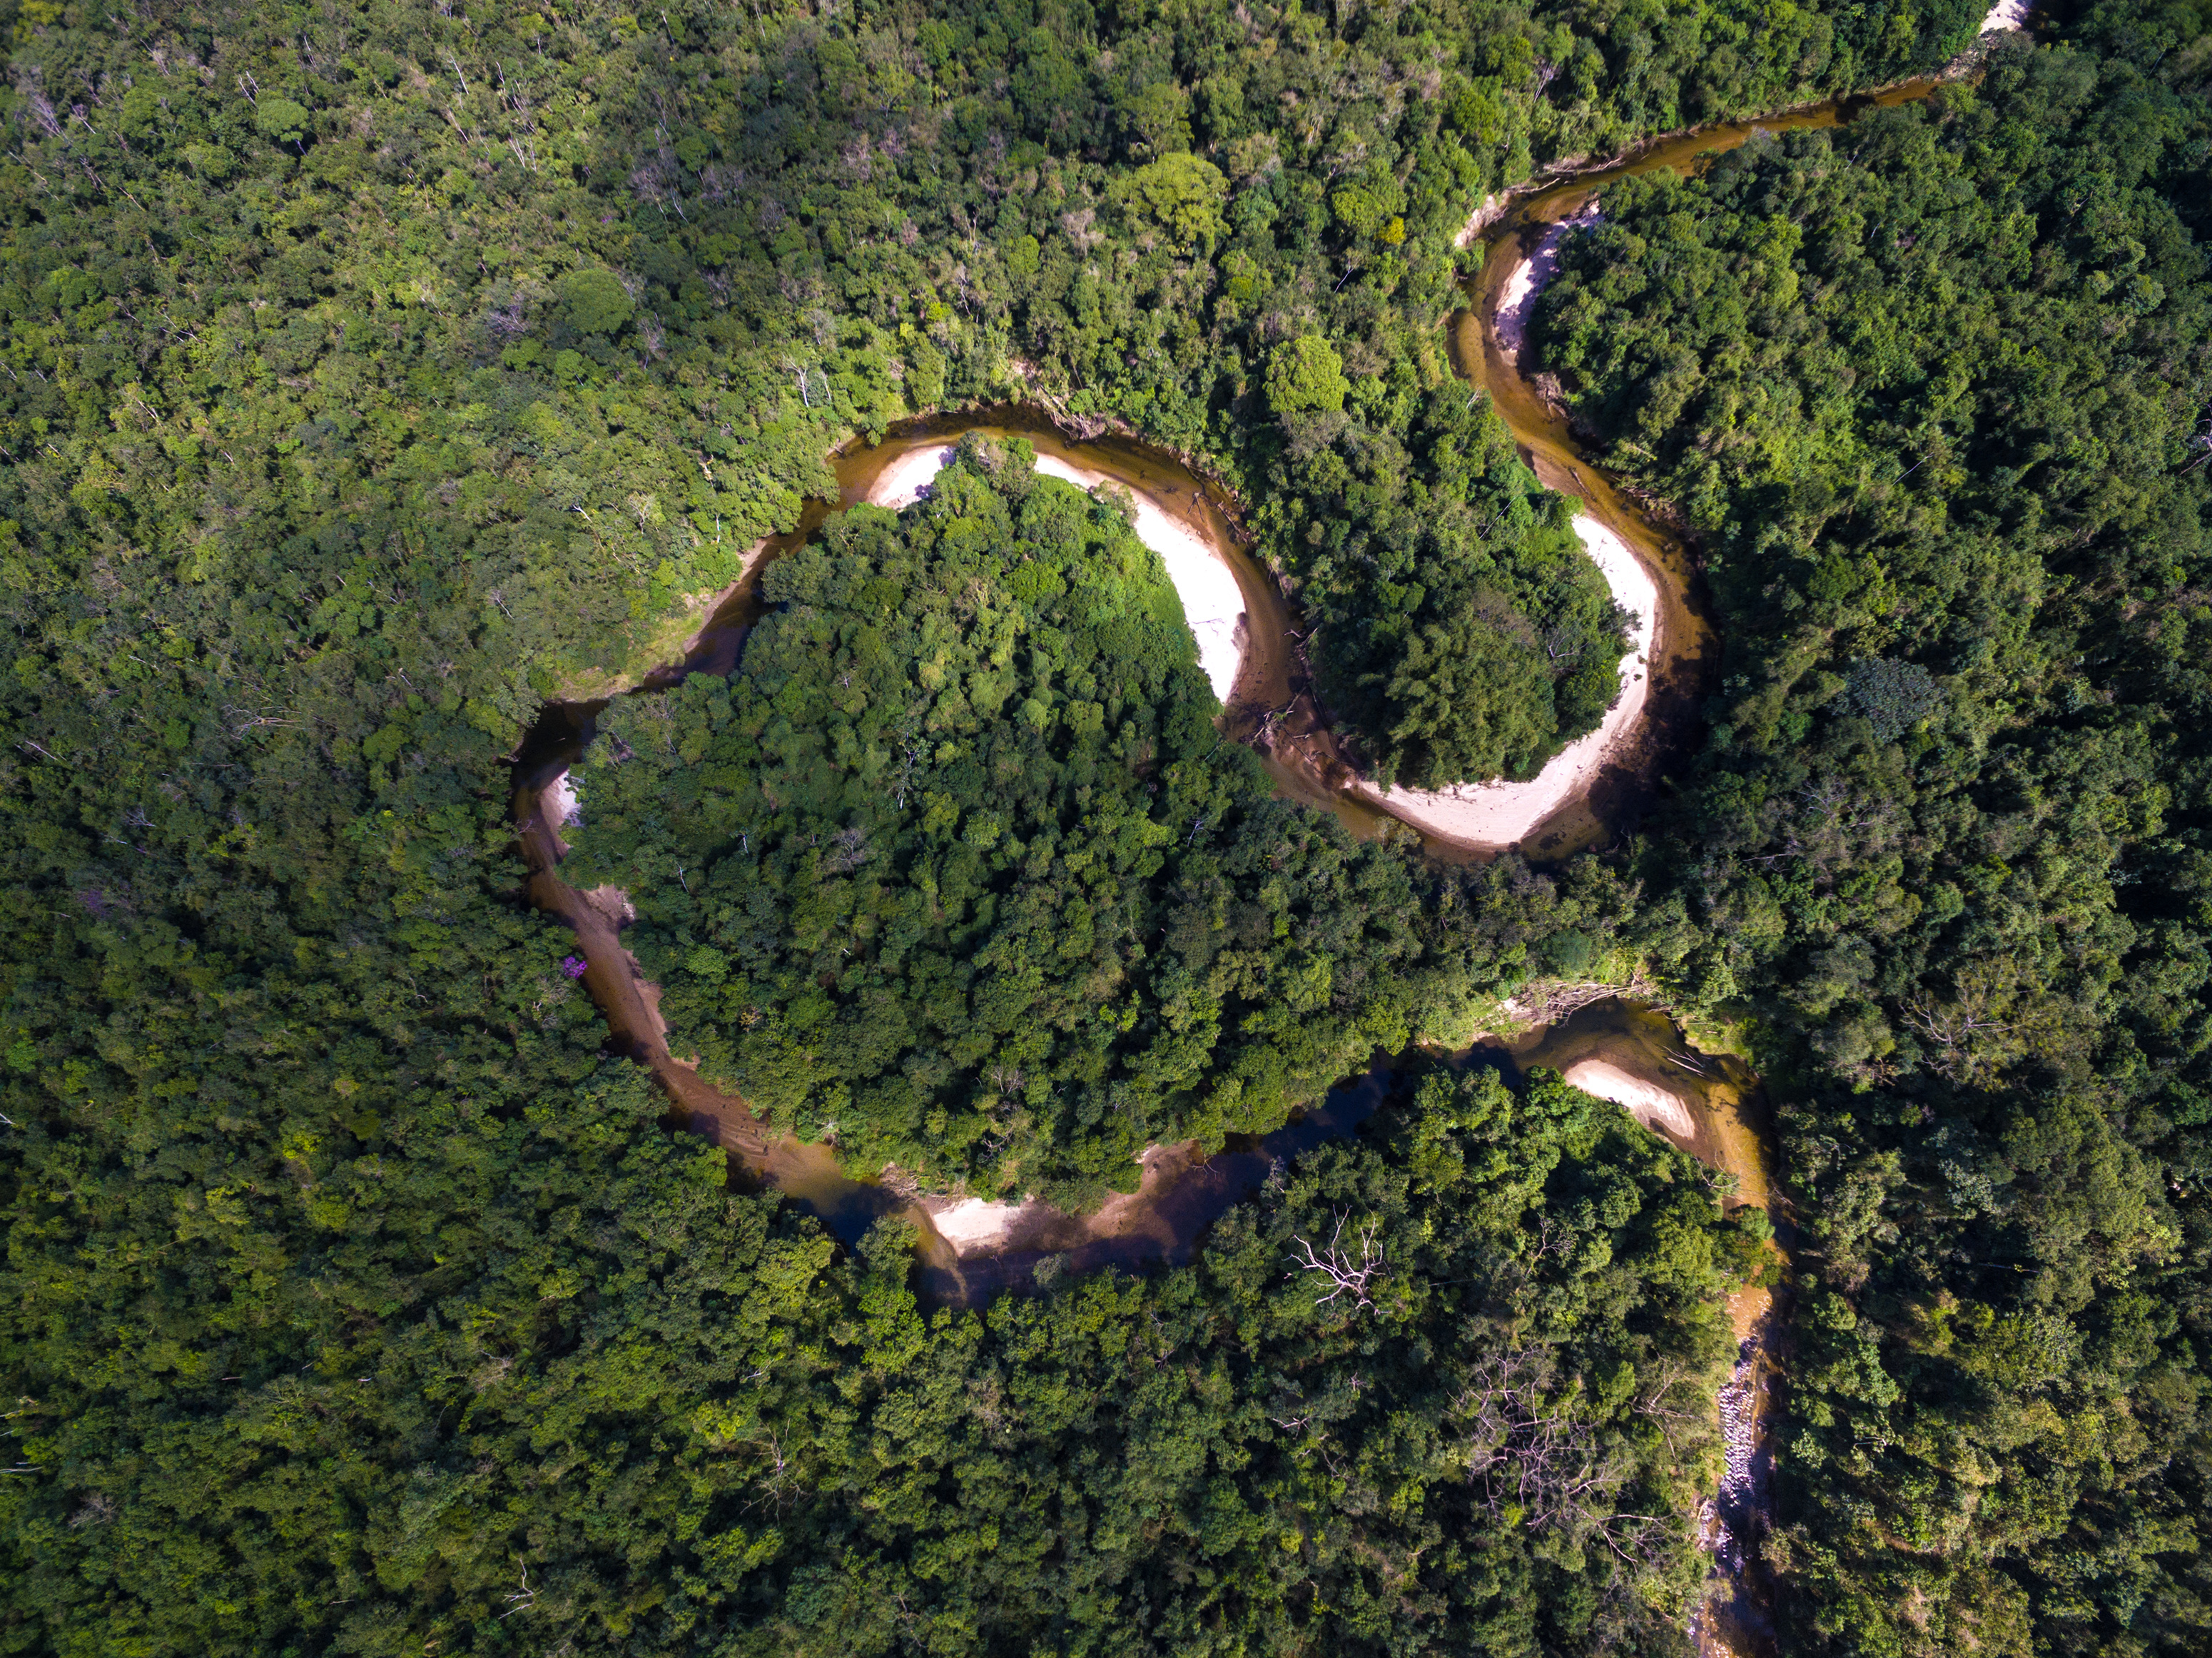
[1271, 706]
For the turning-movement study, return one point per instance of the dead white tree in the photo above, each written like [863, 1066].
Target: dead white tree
[1956, 1028]
[1533, 1461]
[1346, 1275]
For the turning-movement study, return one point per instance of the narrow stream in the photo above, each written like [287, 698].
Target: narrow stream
[1731, 1132]
[1270, 704]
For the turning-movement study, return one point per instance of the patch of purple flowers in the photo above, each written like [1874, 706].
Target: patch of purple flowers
[572, 965]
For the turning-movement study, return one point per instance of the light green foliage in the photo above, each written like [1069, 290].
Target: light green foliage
[281, 119]
[1184, 194]
[1304, 375]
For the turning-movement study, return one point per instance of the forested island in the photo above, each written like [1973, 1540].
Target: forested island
[392, 392]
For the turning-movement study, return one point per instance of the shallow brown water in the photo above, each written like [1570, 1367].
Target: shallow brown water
[1685, 652]
[1271, 676]
[1732, 1130]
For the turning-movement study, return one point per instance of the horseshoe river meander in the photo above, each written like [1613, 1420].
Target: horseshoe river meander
[1615, 1045]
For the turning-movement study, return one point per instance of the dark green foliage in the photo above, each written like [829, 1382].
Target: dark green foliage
[560, 1386]
[1891, 697]
[956, 867]
[440, 1360]
[1933, 387]
[1223, 1459]
[1460, 629]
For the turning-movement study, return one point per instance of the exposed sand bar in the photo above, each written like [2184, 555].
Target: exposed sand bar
[1516, 302]
[1203, 580]
[1659, 1109]
[974, 1224]
[1498, 814]
[558, 804]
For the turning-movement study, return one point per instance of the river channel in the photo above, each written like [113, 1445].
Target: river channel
[1707, 1103]
[1268, 703]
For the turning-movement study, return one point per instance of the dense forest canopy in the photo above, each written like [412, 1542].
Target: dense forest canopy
[1932, 388]
[376, 373]
[956, 870]
[651, 1415]
[524, 329]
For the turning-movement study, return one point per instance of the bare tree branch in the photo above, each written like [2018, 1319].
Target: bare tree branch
[1346, 1275]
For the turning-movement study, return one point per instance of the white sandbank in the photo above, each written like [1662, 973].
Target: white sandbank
[1655, 1107]
[973, 1223]
[1498, 814]
[2006, 15]
[900, 484]
[561, 808]
[1203, 580]
[1517, 301]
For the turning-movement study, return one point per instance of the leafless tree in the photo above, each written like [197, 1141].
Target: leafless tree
[1346, 1275]
[1528, 1454]
[523, 1599]
[1956, 1028]
[777, 1479]
[847, 850]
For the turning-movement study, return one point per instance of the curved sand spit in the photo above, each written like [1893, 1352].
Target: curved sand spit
[977, 1226]
[1493, 813]
[1658, 1108]
[1498, 814]
[1203, 580]
[1517, 301]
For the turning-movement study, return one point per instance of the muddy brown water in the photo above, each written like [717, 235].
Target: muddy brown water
[1734, 1616]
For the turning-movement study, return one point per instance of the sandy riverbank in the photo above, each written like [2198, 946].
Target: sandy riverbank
[980, 1228]
[977, 1229]
[558, 804]
[1499, 813]
[1203, 580]
[1659, 1109]
[1487, 213]
[973, 1223]
[1516, 302]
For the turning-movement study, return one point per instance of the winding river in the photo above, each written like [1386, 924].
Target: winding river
[1250, 642]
